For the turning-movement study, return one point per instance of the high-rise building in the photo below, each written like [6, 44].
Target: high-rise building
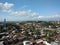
[4, 22]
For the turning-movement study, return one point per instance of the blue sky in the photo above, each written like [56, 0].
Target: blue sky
[23, 10]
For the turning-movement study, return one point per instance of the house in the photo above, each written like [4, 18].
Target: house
[41, 42]
[1, 42]
[27, 43]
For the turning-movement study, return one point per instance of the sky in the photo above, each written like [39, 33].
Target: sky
[29, 10]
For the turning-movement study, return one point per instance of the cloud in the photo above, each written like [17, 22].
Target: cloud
[28, 15]
[5, 7]
[24, 6]
[50, 16]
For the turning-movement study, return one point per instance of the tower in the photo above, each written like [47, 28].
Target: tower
[4, 22]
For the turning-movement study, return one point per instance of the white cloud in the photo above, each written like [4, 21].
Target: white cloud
[5, 6]
[50, 16]
[24, 6]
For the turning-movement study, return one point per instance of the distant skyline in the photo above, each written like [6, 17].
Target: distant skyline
[29, 10]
